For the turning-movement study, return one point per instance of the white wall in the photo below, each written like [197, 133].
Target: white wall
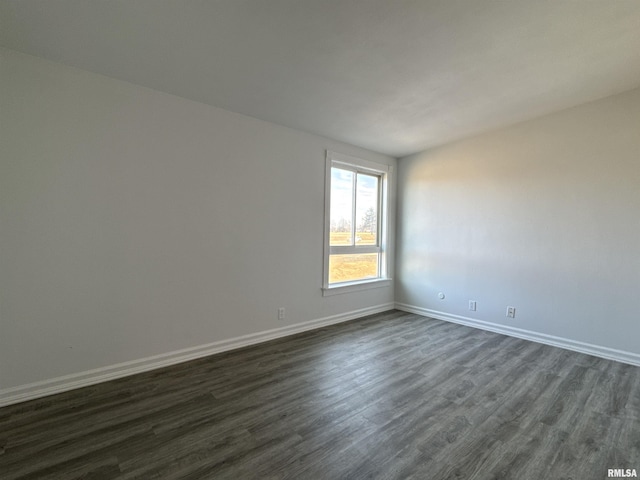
[543, 216]
[135, 223]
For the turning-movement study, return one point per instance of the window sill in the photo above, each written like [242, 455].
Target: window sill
[356, 286]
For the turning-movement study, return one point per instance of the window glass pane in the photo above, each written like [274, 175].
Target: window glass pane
[348, 268]
[341, 214]
[367, 209]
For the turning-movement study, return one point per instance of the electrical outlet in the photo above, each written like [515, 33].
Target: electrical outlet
[472, 305]
[511, 312]
[281, 313]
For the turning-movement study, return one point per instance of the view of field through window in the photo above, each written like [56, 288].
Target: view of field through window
[353, 223]
[348, 268]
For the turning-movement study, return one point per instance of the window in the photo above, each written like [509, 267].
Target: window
[355, 224]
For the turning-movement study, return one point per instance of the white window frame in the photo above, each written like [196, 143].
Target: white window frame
[357, 165]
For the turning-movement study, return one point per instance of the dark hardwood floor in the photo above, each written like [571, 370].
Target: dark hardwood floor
[392, 395]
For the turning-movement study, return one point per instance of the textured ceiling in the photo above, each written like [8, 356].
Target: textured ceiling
[394, 76]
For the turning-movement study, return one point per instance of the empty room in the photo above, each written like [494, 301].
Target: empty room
[319, 239]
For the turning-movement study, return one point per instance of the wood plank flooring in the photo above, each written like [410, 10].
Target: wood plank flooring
[391, 396]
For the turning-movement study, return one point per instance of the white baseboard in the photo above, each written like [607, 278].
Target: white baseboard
[566, 343]
[52, 386]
